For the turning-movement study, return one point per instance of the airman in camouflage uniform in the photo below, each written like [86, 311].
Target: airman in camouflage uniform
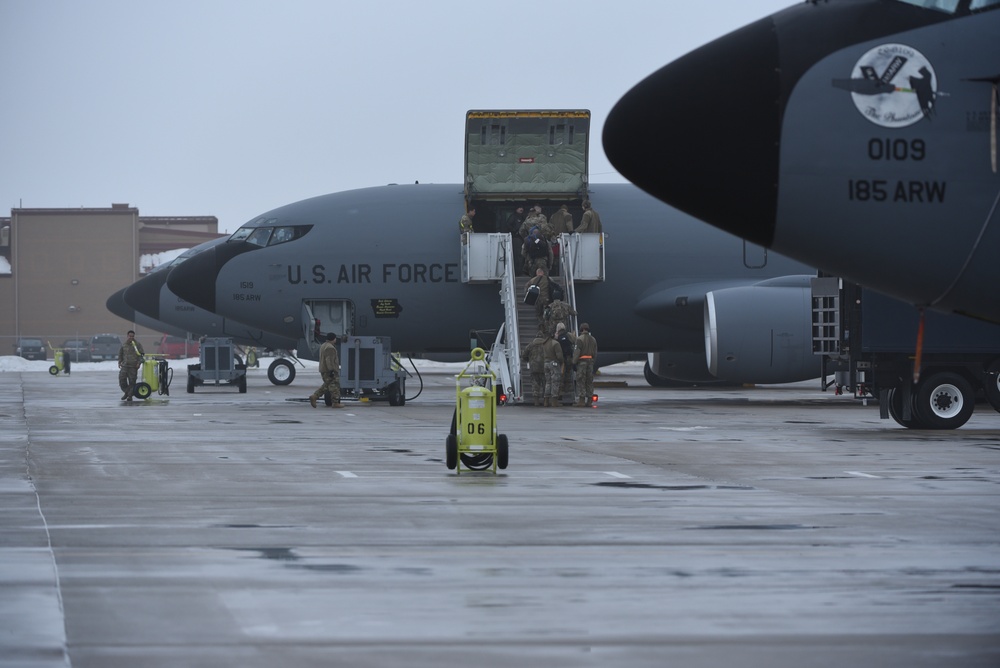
[561, 221]
[591, 222]
[465, 223]
[553, 370]
[557, 312]
[535, 219]
[129, 359]
[536, 367]
[542, 281]
[584, 357]
[329, 369]
[567, 340]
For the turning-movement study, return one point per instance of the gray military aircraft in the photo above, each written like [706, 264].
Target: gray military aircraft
[858, 136]
[387, 261]
[149, 303]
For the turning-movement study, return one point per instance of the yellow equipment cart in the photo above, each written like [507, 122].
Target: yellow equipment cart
[156, 375]
[473, 440]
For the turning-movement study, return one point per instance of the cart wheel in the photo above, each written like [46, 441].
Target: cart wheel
[190, 384]
[242, 384]
[396, 397]
[451, 452]
[54, 370]
[281, 372]
[142, 390]
[502, 451]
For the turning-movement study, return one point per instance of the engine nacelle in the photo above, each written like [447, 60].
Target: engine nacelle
[761, 333]
[677, 369]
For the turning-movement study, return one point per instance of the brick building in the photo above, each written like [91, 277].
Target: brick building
[59, 266]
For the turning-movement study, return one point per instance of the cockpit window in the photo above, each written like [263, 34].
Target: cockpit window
[269, 233]
[976, 5]
[260, 236]
[948, 6]
[961, 7]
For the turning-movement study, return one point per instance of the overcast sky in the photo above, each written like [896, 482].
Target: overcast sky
[233, 107]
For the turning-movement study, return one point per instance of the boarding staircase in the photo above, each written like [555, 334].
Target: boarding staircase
[489, 258]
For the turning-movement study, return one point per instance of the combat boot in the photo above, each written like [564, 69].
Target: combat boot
[312, 400]
[336, 404]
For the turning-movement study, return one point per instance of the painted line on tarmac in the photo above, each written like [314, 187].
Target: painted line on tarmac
[862, 475]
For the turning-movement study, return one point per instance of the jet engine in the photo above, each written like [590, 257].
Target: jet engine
[761, 333]
[675, 368]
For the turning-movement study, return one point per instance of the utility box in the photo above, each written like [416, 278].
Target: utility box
[217, 365]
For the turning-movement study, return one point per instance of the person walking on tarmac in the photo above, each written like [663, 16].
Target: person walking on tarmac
[536, 367]
[553, 369]
[465, 223]
[329, 369]
[129, 359]
[584, 358]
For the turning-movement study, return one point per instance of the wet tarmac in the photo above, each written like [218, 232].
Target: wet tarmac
[777, 526]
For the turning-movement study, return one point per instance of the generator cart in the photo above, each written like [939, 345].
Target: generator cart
[473, 440]
[218, 365]
[369, 371]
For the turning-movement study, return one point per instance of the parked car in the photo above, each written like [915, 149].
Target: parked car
[30, 349]
[77, 349]
[105, 346]
[178, 347]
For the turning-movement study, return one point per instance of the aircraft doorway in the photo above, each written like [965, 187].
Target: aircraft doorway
[322, 316]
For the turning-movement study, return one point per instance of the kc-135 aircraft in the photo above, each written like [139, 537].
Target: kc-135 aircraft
[858, 136]
[385, 261]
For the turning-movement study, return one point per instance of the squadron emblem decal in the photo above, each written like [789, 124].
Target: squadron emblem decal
[892, 85]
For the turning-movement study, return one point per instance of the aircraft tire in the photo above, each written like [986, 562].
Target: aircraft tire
[451, 452]
[281, 372]
[991, 385]
[895, 401]
[944, 400]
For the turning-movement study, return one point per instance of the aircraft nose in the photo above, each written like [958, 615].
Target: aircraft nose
[702, 132]
[116, 304]
[144, 294]
[194, 279]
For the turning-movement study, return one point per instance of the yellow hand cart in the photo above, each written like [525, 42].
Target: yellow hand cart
[473, 440]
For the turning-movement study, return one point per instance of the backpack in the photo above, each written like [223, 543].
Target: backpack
[555, 291]
[538, 248]
[567, 346]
